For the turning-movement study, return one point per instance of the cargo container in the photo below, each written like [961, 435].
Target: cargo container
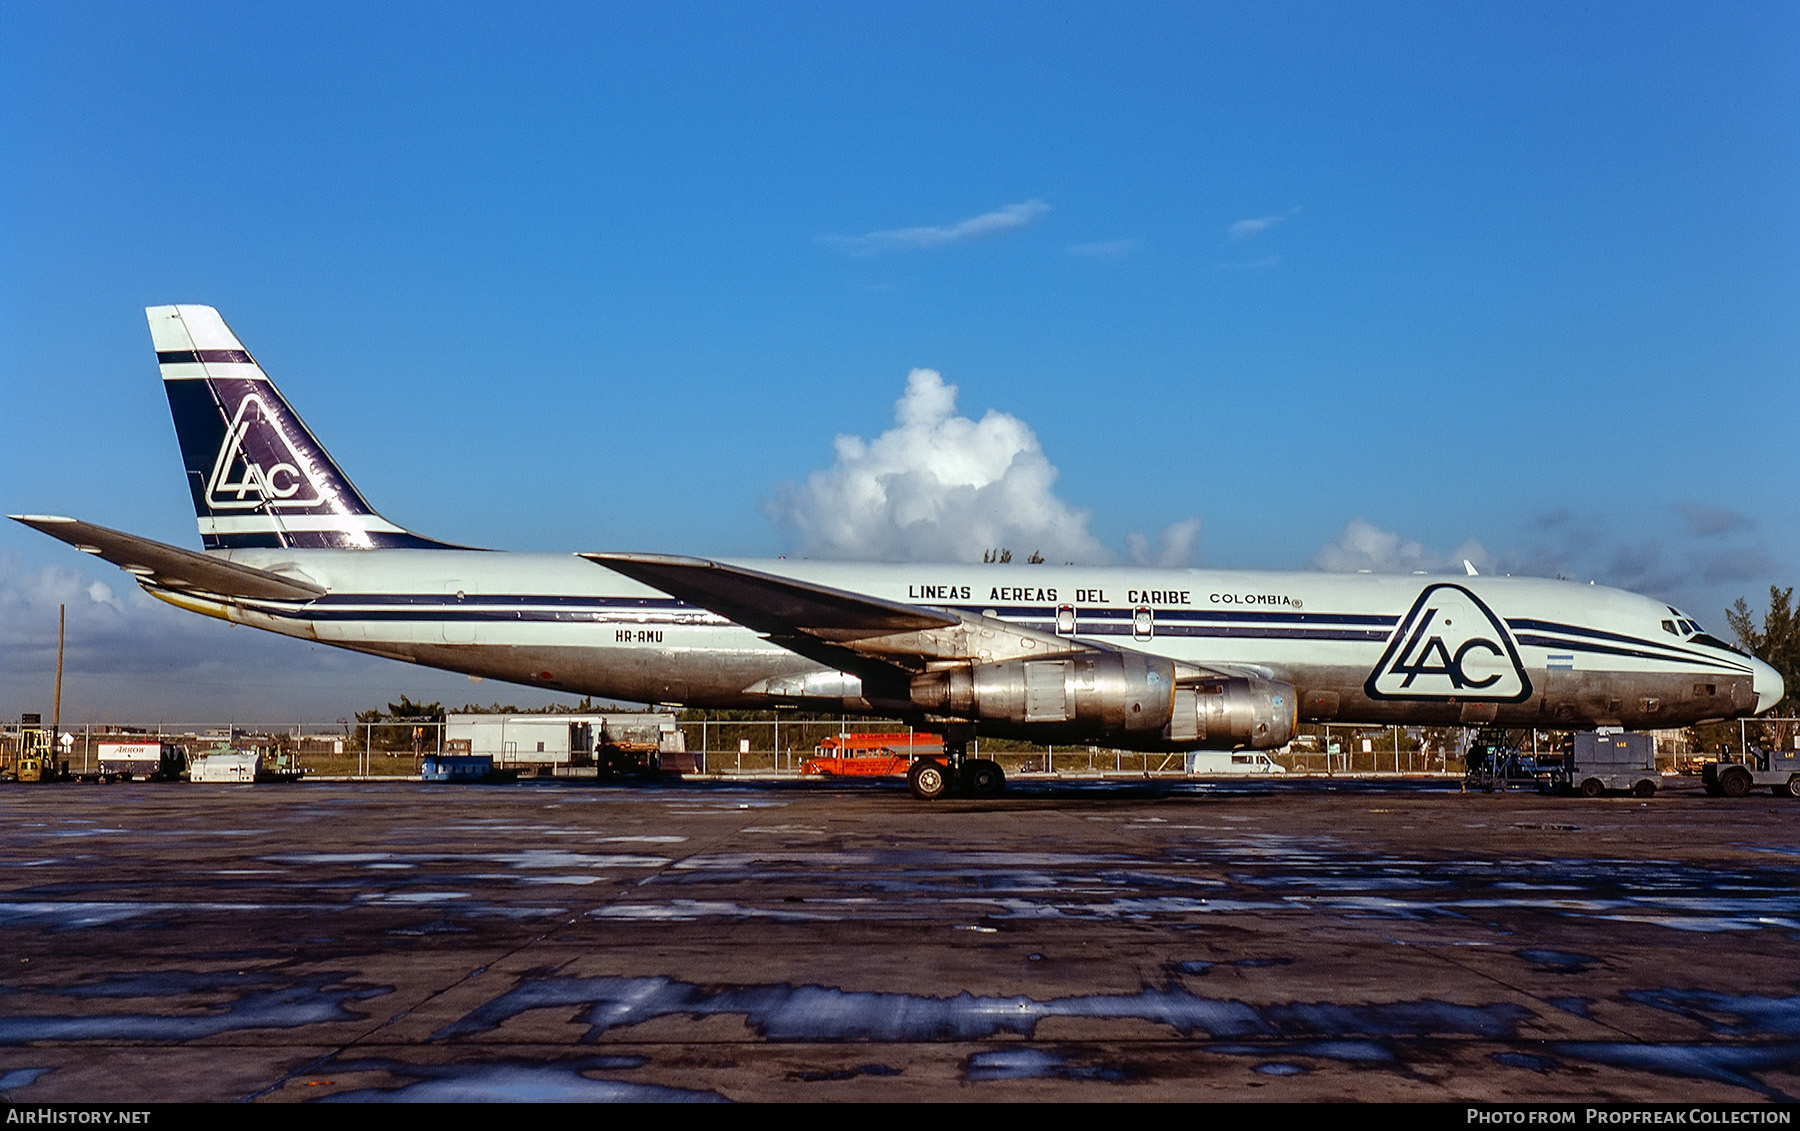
[225, 766]
[1594, 762]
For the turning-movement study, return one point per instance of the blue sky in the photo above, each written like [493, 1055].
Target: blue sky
[1343, 283]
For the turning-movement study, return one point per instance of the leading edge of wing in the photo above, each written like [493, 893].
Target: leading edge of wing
[171, 567]
[777, 606]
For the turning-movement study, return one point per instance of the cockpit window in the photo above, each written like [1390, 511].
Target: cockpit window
[1669, 627]
[1715, 642]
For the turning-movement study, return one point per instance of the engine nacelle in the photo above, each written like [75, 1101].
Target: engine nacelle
[1124, 697]
[1233, 713]
[1112, 693]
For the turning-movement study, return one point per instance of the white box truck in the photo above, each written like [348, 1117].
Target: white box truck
[140, 759]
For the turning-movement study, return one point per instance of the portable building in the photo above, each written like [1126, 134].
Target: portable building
[549, 741]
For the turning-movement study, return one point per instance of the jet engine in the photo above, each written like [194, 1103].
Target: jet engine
[1233, 713]
[1124, 697]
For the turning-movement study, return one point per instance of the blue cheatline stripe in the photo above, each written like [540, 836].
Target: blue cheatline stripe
[1234, 632]
[450, 601]
[1086, 613]
[517, 616]
[1522, 623]
[1634, 653]
[177, 357]
[587, 611]
[560, 608]
[1166, 620]
[1661, 650]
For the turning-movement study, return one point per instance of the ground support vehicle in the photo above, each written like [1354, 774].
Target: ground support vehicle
[462, 768]
[1227, 763]
[1594, 763]
[1735, 775]
[871, 755]
[35, 760]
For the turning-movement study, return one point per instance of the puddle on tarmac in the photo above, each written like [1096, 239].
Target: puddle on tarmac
[1034, 1064]
[1726, 1064]
[19, 1078]
[1526, 1060]
[514, 1082]
[1558, 962]
[250, 1001]
[1756, 1015]
[787, 1012]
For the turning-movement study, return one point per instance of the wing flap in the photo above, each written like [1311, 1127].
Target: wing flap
[171, 566]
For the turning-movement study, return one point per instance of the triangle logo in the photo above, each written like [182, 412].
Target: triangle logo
[259, 467]
[1450, 647]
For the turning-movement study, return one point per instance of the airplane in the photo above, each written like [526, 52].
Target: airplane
[1122, 656]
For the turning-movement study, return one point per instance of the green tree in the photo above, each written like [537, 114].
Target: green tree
[1776, 642]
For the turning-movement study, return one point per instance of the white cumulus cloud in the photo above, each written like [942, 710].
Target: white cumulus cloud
[938, 486]
[1363, 545]
[1244, 229]
[1006, 218]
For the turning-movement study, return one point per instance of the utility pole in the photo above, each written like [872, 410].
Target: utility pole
[56, 715]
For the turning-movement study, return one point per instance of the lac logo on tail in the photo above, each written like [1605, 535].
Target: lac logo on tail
[259, 465]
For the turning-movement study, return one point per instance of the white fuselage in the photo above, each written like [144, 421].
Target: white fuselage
[1358, 647]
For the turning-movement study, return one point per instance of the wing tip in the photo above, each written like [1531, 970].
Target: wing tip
[649, 559]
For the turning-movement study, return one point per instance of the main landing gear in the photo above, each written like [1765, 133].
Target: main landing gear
[930, 779]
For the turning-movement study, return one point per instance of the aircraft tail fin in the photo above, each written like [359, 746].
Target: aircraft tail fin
[259, 477]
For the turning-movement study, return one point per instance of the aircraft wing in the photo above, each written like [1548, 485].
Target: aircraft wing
[850, 630]
[171, 566]
[774, 606]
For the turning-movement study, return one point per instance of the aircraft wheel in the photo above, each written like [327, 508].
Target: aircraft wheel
[982, 778]
[928, 780]
[1644, 789]
[1592, 788]
[1735, 784]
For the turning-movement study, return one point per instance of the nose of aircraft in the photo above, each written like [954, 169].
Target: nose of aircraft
[1768, 684]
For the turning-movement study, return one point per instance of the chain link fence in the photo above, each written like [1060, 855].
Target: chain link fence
[778, 746]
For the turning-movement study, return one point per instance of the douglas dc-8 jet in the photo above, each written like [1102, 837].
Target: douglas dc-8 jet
[1137, 658]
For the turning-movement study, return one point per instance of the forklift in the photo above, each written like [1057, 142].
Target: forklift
[35, 760]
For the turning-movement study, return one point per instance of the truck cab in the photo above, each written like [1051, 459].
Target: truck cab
[1735, 775]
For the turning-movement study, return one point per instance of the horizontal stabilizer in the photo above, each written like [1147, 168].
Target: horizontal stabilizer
[170, 566]
[777, 606]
